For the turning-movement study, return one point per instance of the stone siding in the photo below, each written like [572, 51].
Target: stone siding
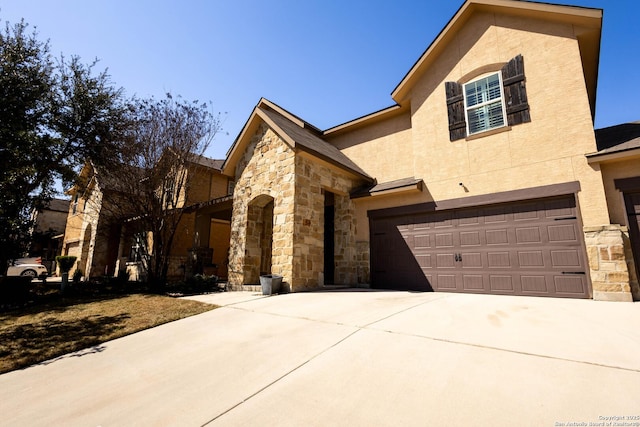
[267, 169]
[278, 217]
[608, 262]
[313, 179]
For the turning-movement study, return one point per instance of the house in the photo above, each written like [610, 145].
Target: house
[484, 176]
[102, 233]
[48, 227]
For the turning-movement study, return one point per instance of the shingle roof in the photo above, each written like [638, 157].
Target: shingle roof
[397, 184]
[307, 139]
[618, 138]
[59, 205]
[210, 163]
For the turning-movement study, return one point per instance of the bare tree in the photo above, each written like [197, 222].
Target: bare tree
[150, 186]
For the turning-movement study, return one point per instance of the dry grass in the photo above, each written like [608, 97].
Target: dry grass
[40, 333]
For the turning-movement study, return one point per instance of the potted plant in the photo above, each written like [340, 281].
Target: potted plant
[270, 283]
[65, 263]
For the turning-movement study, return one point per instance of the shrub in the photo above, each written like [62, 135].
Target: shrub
[66, 262]
[77, 275]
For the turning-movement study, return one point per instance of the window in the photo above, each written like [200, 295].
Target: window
[490, 102]
[484, 104]
[75, 205]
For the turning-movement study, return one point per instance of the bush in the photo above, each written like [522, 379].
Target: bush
[77, 275]
[15, 290]
[123, 275]
[66, 262]
[200, 283]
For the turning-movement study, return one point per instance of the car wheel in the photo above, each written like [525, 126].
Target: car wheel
[29, 273]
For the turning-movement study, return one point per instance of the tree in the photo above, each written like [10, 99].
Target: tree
[149, 189]
[53, 116]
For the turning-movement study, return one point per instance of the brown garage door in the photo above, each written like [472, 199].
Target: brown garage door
[525, 248]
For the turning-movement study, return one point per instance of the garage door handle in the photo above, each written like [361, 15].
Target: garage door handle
[574, 272]
[565, 218]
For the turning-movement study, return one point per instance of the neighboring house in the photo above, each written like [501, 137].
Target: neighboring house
[89, 235]
[485, 176]
[48, 229]
[105, 247]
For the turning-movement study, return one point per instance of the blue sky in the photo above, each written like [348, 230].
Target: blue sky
[327, 61]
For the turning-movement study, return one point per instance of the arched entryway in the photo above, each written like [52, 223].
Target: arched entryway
[259, 240]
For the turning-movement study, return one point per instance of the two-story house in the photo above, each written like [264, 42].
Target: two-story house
[484, 176]
[106, 239]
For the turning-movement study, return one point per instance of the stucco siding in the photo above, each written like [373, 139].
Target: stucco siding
[617, 170]
[383, 149]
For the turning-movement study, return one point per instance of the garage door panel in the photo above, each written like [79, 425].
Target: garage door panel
[569, 284]
[520, 248]
[569, 258]
[526, 235]
[473, 282]
[445, 260]
[446, 282]
[526, 212]
[501, 283]
[531, 259]
[444, 240]
[499, 260]
[559, 208]
[497, 237]
[563, 233]
[422, 241]
[470, 238]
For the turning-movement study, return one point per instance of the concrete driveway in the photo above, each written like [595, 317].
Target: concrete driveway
[352, 358]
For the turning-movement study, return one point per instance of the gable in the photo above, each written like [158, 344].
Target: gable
[585, 24]
[296, 133]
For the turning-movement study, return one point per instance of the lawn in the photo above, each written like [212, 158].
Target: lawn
[39, 333]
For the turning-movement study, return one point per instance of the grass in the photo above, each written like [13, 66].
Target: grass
[39, 333]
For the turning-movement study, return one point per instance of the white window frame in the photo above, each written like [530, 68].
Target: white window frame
[483, 104]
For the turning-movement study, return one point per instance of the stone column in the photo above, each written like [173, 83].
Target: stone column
[607, 262]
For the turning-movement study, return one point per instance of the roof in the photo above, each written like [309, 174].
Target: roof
[404, 184]
[209, 163]
[296, 132]
[308, 141]
[586, 21]
[58, 205]
[618, 140]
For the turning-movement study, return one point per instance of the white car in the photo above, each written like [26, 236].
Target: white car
[29, 267]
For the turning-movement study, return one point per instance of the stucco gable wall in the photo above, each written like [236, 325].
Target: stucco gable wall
[383, 149]
[548, 150]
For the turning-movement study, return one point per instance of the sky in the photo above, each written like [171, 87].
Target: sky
[327, 61]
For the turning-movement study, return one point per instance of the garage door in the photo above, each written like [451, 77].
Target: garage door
[525, 248]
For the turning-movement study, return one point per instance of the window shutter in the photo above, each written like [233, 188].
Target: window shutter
[455, 110]
[515, 92]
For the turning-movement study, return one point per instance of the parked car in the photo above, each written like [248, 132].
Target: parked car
[28, 267]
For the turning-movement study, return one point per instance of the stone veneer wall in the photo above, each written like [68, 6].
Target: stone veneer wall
[267, 169]
[363, 263]
[312, 179]
[634, 283]
[608, 262]
[297, 184]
